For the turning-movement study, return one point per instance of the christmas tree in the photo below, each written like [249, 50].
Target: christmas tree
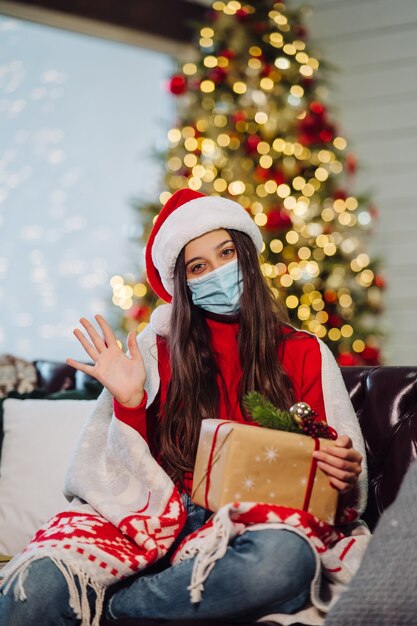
[253, 126]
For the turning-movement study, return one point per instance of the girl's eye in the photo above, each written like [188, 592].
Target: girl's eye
[228, 251]
[197, 268]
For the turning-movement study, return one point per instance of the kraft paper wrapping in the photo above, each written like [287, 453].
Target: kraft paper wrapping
[253, 464]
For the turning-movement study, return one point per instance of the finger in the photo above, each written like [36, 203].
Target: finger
[132, 344]
[340, 485]
[83, 367]
[349, 467]
[345, 454]
[344, 441]
[330, 459]
[88, 347]
[93, 334]
[108, 334]
[345, 475]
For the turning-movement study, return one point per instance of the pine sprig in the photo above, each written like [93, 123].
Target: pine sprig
[267, 415]
[299, 419]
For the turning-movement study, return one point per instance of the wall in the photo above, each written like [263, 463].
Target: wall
[373, 44]
[79, 121]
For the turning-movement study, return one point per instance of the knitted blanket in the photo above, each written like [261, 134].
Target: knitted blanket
[337, 555]
[125, 513]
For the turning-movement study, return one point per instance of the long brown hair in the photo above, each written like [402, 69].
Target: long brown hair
[193, 393]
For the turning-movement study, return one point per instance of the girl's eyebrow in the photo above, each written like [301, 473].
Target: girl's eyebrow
[220, 245]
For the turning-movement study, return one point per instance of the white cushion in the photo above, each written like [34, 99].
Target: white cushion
[39, 437]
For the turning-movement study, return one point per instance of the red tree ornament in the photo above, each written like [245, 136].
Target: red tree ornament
[218, 75]
[379, 281]
[278, 176]
[252, 143]
[340, 194]
[177, 84]
[326, 135]
[260, 27]
[373, 211]
[138, 313]
[348, 359]
[278, 220]
[239, 116]
[308, 83]
[267, 69]
[242, 14]
[318, 108]
[330, 296]
[315, 128]
[301, 31]
[261, 173]
[351, 163]
[335, 321]
[228, 54]
[371, 355]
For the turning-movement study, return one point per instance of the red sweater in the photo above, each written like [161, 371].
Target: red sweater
[299, 354]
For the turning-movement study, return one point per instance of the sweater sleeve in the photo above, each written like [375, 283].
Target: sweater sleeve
[134, 417]
[302, 362]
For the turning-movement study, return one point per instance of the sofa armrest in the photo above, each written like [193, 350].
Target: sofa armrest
[385, 401]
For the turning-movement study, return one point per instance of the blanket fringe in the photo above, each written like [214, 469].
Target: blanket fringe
[78, 582]
[214, 548]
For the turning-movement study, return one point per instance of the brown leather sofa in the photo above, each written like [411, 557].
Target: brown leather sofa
[385, 400]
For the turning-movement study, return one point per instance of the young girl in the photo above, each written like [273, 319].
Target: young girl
[130, 480]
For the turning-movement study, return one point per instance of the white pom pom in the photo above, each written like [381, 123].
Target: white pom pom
[160, 319]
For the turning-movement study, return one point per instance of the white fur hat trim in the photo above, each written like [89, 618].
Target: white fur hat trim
[193, 219]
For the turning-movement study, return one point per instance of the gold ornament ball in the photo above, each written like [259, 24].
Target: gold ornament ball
[299, 411]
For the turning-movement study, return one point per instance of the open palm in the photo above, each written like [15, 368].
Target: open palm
[123, 375]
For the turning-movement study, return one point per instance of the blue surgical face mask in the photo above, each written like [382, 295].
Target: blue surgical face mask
[218, 291]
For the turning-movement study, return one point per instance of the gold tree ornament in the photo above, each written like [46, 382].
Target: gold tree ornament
[300, 411]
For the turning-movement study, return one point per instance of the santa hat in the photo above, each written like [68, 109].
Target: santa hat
[186, 215]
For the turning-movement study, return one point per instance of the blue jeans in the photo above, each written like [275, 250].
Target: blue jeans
[262, 572]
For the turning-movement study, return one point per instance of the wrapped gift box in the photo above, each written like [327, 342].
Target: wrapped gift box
[247, 463]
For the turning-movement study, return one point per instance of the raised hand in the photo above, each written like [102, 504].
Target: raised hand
[341, 462]
[124, 376]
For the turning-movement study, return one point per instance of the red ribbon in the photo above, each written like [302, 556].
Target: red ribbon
[210, 463]
[333, 433]
[311, 477]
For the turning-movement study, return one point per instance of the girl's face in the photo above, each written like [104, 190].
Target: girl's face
[208, 252]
